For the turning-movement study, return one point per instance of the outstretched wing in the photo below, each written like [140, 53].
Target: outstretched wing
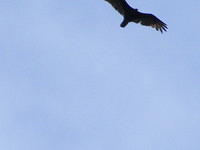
[118, 5]
[151, 20]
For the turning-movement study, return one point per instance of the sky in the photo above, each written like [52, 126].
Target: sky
[71, 78]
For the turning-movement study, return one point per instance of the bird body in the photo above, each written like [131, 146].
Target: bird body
[133, 15]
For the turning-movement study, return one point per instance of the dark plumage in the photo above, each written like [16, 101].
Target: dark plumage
[133, 15]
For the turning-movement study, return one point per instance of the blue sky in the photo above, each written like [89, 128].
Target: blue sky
[71, 78]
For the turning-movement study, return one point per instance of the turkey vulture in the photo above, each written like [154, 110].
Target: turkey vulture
[133, 15]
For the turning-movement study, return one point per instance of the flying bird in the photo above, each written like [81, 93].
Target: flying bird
[133, 15]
